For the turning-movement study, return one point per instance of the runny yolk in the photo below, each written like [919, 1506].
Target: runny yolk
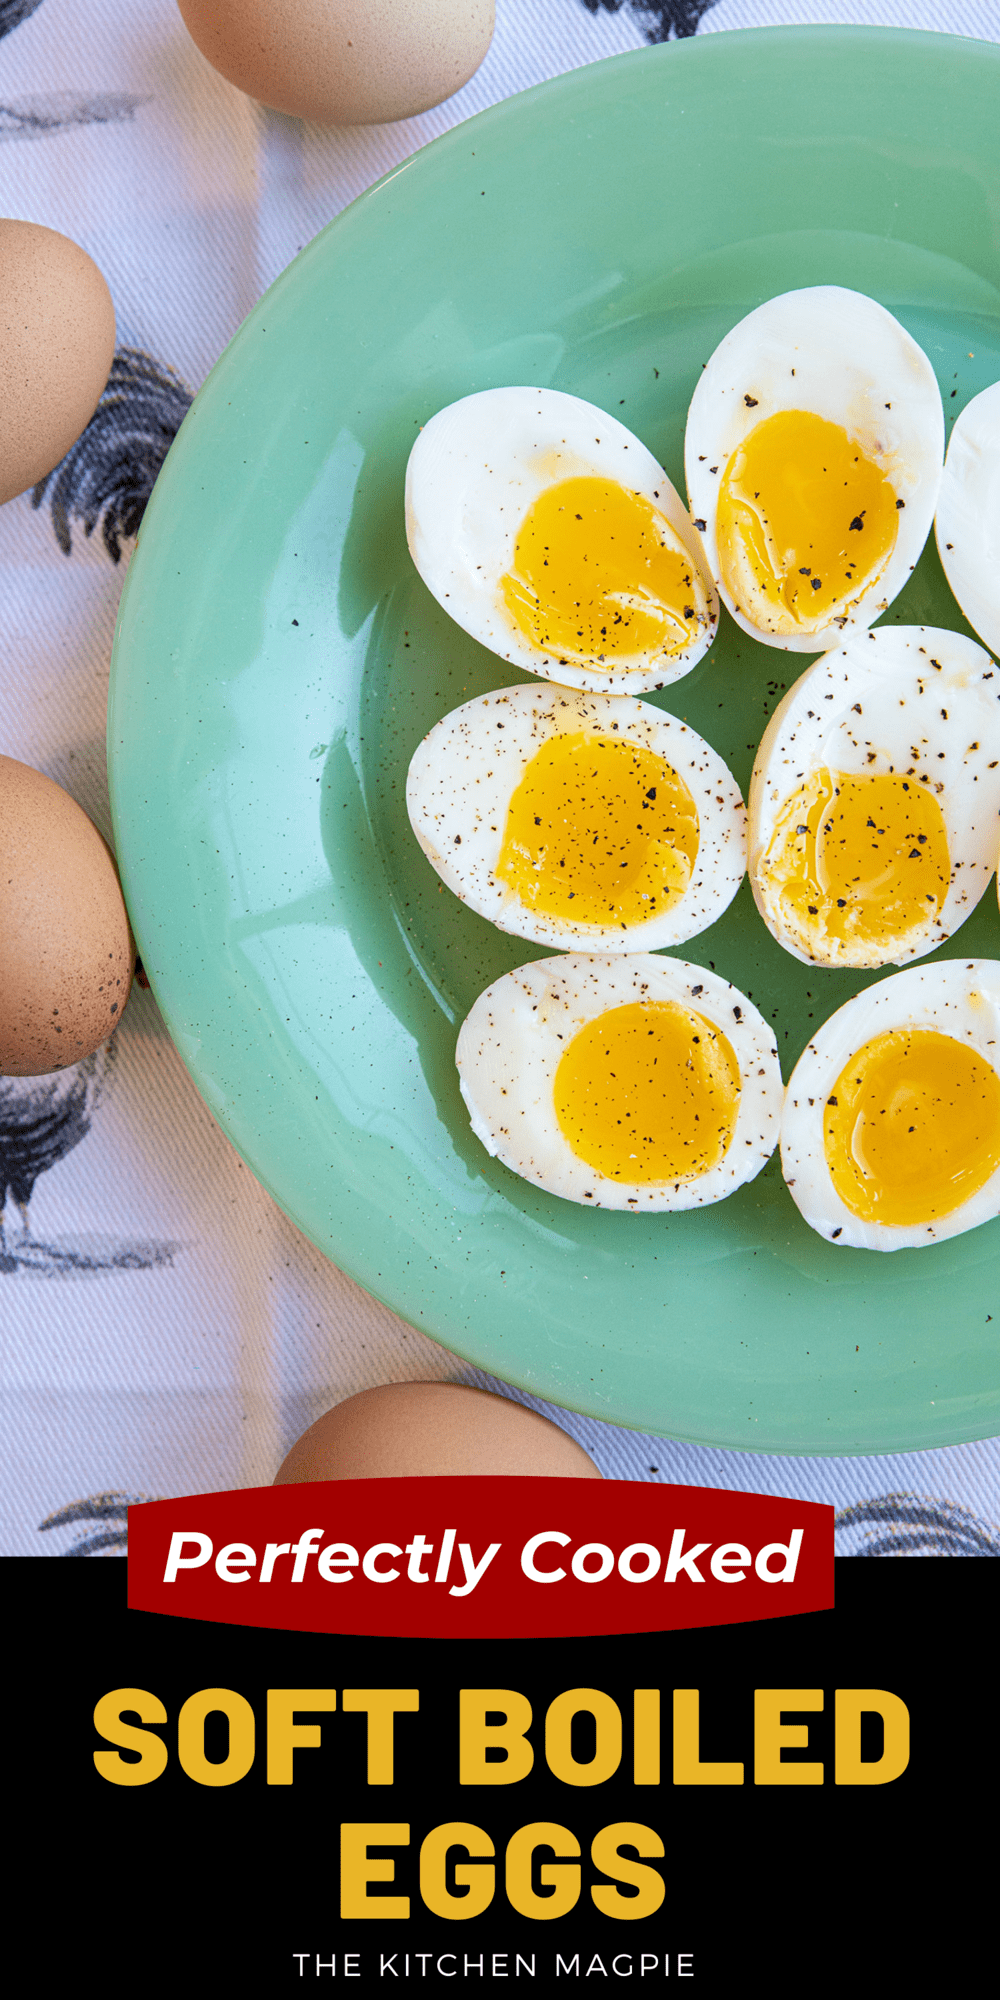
[856, 865]
[599, 576]
[806, 522]
[599, 831]
[911, 1128]
[648, 1092]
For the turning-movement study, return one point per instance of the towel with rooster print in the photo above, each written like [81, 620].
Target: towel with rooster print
[165, 1329]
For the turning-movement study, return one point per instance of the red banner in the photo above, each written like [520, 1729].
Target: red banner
[480, 1558]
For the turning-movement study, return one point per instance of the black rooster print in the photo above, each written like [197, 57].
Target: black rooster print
[13, 12]
[907, 1524]
[672, 20]
[106, 1516]
[108, 475]
[42, 1119]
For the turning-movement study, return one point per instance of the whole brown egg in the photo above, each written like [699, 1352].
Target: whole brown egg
[66, 950]
[426, 1429]
[343, 62]
[57, 342]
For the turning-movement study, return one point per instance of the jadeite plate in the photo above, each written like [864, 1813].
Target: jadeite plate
[277, 660]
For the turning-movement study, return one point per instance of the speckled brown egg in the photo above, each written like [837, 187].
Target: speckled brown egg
[66, 950]
[428, 1429]
[57, 341]
[343, 62]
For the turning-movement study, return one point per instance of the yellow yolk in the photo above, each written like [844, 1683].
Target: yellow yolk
[599, 576]
[599, 831]
[911, 1128]
[648, 1092]
[856, 865]
[805, 524]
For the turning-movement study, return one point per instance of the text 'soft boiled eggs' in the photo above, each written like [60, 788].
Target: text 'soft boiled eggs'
[874, 809]
[967, 523]
[636, 1083]
[552, 535]
[579, 819]
[813, 456]
[890, 1137]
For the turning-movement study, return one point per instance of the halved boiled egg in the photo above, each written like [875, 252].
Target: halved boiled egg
[874, 808]
[637, 1083]
[552, 535]
[579, 819]
[967, 523]
[813, 456]
[890, 1137]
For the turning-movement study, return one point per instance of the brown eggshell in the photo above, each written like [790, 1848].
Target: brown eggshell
[423, 1429]
[57, 342]
[343, 62]
[66, 950]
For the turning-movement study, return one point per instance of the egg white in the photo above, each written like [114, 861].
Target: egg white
[459, 788]
[960, 998]
[840, 355]
[881, 697]
[474, 472]
[512, 1040]
[967, 523]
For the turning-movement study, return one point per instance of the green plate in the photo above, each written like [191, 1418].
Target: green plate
[277, 659]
